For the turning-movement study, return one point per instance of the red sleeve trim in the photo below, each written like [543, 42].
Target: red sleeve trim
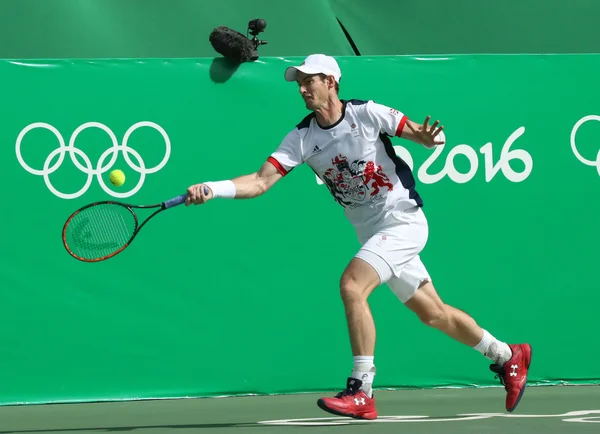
[277, 165]
[401, 126]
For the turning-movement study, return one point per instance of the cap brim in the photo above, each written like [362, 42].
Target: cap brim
[292, 72]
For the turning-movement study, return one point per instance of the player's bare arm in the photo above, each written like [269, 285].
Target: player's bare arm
[242, 187]
[250, 186]
[424, 134]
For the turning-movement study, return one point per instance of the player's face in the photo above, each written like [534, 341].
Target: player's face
[314, 90]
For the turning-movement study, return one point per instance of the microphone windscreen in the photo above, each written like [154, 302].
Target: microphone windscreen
[232, 44]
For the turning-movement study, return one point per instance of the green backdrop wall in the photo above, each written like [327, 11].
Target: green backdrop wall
[233, 296]
[156, 28]
[180, 28]
[392, 27]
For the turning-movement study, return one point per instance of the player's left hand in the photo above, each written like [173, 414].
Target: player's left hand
[427, 135]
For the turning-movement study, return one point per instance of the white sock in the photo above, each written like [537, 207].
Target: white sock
[364, 370]
[495, 350]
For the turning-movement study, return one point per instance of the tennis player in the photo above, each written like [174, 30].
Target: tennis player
[347, 143]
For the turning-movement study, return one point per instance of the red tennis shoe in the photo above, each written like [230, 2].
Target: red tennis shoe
[351, 402]
[513, 374]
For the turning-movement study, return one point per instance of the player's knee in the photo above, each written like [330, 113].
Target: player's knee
[350, 290]
[436, 317]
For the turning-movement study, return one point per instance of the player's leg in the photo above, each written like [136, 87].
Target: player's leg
[360, 277]
[511, 362]
[454, 322]
[356, 284]
[413, 286]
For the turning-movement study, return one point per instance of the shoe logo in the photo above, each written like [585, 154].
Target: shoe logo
[360, 401]
[514, 370]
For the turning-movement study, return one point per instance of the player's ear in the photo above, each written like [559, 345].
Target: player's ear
[331, 82]
[328, 79]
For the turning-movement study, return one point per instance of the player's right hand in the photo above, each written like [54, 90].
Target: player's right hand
[198, 194]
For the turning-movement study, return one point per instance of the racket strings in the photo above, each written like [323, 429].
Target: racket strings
[100, 230]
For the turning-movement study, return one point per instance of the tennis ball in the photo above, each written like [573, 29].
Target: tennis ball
[117, 177]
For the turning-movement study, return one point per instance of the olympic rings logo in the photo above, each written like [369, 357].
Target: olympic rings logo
[89, 169]
[585, 161]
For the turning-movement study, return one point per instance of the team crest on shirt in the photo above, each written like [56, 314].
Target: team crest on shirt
[355, 182]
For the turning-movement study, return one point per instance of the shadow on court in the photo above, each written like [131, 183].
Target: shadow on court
[547, 409]
[132, 428]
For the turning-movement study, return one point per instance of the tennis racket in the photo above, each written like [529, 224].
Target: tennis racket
[101, 230]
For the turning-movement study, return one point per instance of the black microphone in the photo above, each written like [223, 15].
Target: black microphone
[233, 45]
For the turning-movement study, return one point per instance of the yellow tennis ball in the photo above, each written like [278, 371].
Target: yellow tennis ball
[117, 177]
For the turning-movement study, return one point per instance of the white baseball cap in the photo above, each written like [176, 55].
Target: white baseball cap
[315, 64]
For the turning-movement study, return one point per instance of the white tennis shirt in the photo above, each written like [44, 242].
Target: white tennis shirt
[355, 159]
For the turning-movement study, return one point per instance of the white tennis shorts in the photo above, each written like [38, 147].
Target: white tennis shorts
[393, 251]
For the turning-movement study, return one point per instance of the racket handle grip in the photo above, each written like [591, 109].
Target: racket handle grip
[180, 199]
[175, 201]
